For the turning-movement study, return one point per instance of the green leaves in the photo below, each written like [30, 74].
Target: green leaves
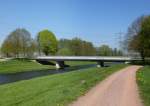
[47, 42]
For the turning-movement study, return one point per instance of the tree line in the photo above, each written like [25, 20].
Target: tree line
[79, 47]
[19, 43]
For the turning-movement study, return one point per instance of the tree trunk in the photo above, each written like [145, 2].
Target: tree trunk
[143, 56]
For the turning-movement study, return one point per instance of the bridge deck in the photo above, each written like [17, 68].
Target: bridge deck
[86, 58]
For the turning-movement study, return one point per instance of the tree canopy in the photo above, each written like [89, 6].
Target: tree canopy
[47, 42]
[18, 43]
[139, 39]
[76, 47]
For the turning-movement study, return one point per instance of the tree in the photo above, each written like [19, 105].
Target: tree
[144, 37]
[116, 52]
[82, 48]
[87, 49]
[17, 43]
[76, 46]
[105, 50]
[6, 48]
[64, 52]
[47, 42]
[64, 43]
[140, 41]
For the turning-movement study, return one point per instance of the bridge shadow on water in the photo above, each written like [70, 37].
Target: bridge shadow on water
[9, 78]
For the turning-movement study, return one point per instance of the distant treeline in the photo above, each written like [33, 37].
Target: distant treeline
[79, 47]
[19, 43]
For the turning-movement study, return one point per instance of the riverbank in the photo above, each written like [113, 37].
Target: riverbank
[23, 65]
[54, 90]
[143, 80]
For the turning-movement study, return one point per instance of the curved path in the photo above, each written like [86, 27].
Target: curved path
[119, 89]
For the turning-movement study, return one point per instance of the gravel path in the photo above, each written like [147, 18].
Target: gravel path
[119, 89]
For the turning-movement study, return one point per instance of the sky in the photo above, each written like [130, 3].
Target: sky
[98, 21]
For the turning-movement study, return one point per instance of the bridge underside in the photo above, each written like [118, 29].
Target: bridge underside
[61, 64]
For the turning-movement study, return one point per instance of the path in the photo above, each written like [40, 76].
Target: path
[120, 89]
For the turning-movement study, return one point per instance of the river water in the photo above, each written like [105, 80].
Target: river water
[13, 77]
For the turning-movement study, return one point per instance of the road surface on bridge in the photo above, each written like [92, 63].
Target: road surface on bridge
[119, 89]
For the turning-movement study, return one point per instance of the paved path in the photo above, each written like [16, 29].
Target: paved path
[119, 89]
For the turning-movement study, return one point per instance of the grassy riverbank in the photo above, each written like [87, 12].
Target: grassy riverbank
[13, 66]
[53, 90]
[143, 80]
[22, 65]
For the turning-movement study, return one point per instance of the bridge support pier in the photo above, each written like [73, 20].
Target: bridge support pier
[127, 62]
[61, 64]
[100, 64]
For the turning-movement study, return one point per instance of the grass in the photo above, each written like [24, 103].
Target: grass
[53, 90]
[22, 65]
[13, 66]
[143, 80]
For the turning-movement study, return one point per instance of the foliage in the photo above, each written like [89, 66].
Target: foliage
[88, 49]
[138, 36]
[77, 47]
[143, 81]
[47, 42]
[117, 52]
[64, 52]
[18, 44]
[53, 90]
[64, 43]
[145, 36]
[105, 50]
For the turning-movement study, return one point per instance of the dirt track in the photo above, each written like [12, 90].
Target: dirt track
[119, 89]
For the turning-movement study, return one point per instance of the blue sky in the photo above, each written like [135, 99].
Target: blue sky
[98, 21]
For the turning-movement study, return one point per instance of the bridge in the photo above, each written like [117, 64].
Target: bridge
[60, 60]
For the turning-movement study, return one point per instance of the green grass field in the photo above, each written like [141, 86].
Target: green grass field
[53, 90]
[13, 66]
[143, 80]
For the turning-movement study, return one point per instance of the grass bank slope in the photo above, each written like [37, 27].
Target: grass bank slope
[53, 90]
[143, 80]
[22, 65]
[13, 66]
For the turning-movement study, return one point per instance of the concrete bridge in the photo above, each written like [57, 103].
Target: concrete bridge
[60, 60]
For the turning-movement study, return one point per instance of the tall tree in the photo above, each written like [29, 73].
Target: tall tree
[144, 37]
[133, 30]
[47, 42]
[140, 41]
[17, 43]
